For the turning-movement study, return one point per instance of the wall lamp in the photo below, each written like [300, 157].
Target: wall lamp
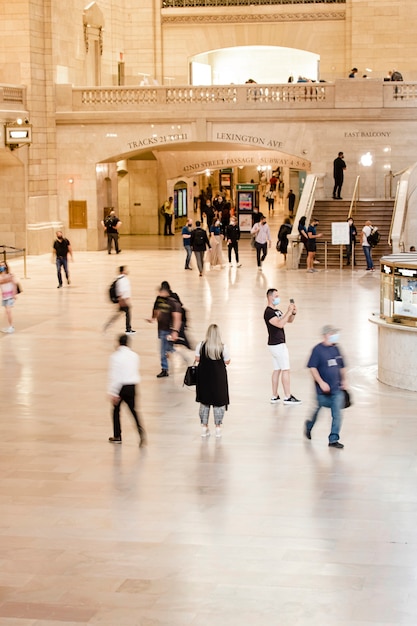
[18, 133]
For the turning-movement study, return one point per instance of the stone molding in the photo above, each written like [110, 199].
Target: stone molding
[249, 18]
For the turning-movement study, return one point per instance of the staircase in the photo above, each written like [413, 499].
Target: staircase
[379, 212]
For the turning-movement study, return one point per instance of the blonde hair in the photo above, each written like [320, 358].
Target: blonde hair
[213, 343]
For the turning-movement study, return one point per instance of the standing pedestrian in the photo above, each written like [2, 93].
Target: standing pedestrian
[62, 248]
[339, 167]
[123, 376]
[168, 209]
[262, 240]
[366, 246]
[168, 315]
[212, 388]
[111, 225]
[311, 244]
[282, 243]
[124, 295]
[327, 368]
[232, 237]
[8, 288]
[199, 243]
[275, 321]
[350, 249]
[291, 202]
[186, 239]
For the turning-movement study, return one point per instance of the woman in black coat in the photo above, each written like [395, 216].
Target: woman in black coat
[212, 388]
[283, 233]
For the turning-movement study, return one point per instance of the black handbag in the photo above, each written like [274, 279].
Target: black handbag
[190, 378]
[347, 401]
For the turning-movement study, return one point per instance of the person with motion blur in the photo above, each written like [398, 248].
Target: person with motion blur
[8, 288]
[62, 248]
[123, 376]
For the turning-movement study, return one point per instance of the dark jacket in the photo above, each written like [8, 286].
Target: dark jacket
[199, 240]
[233, 233]
[212, 386]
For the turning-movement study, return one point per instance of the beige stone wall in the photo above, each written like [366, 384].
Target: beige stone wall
[384, 36]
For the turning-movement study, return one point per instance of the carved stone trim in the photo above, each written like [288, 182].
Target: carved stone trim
[259, 17]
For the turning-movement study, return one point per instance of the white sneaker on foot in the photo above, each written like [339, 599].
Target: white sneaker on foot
[9, 330]
[205, 431]
[218, 431]
[274, 399]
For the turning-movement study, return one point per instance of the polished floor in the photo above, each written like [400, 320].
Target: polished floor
[261, 527]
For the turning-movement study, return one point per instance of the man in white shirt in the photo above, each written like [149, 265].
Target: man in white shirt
[366, 247]
[124, 294]
[123, 376]
[262, 240]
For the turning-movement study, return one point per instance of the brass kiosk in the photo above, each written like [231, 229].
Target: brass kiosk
[397, 322]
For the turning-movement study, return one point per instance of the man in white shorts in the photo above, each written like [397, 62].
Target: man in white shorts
[275, 321]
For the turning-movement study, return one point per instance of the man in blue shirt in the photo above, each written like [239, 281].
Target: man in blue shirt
[328, 371]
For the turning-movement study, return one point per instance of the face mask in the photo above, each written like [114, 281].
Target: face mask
[2, 268]
[276, 301]
[334, 338]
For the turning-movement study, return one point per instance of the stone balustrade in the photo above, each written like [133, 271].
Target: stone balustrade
[12, 98]
[344, 93]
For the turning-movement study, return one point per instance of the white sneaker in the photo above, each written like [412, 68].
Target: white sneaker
[9, 330]
[205, 431]
[218, 431]
[274, 399]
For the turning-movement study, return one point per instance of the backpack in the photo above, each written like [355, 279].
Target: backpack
[113, 292]
[199, 239]
[374, 238]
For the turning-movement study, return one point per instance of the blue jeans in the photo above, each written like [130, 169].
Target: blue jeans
[166, 346]
[61, 261]
[368, 257]
[334, 403]
[189, 252]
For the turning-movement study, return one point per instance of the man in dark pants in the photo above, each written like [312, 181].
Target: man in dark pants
[124, 295]
[339, 167]
[199, 242]
[111, 227]
[123, 376]
[62, 248]
[291, 202]
[328, 371]
[232, 237]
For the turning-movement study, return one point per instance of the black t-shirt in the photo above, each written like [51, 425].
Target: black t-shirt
[61, 247]
[110, 223]
[164, 308]
[275, 335]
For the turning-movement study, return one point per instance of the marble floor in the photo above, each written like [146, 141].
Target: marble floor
[261, 527]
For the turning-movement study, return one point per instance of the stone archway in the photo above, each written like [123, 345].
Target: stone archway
[152, 175]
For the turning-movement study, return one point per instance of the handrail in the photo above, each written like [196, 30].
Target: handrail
[390, 177]
[305, 208]
[393, 217]
[354, 200]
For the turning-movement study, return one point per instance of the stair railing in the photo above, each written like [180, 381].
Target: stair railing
[355, 198]
[399, 214]
[305, 207]
[388, 181]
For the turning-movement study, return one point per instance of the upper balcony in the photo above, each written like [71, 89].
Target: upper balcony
[346, 98]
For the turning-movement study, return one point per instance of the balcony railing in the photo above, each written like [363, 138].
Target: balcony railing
[356, 94]
[11, 95]
[180, 4]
